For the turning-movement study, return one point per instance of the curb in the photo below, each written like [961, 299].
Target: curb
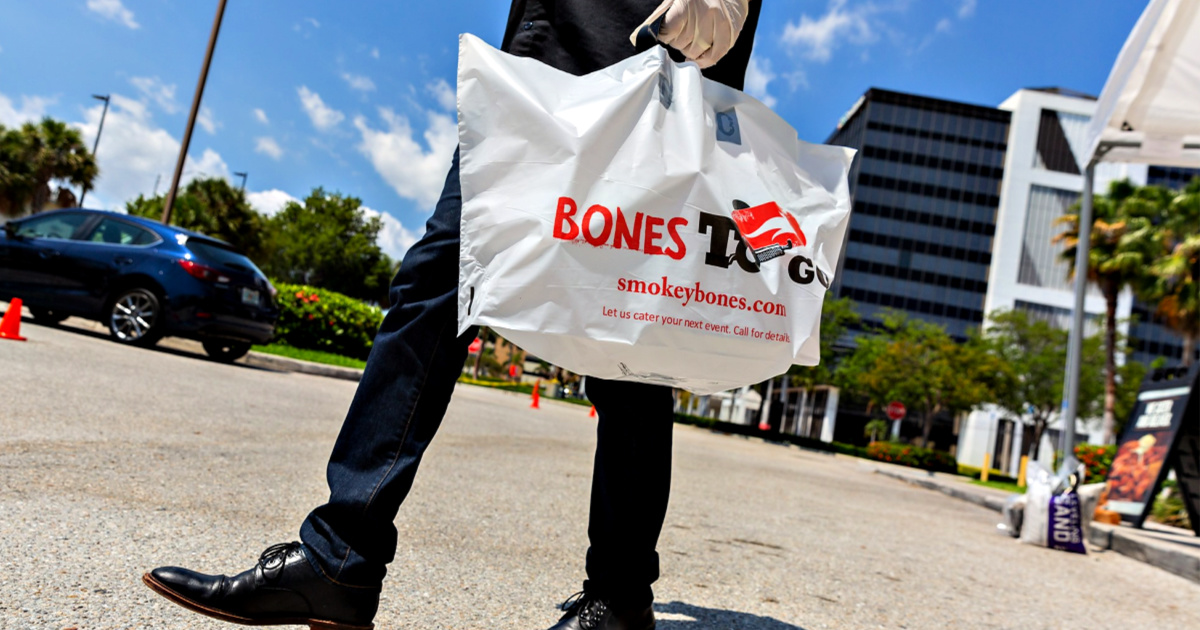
[991, 503]
[1101, 535]
[285, 364]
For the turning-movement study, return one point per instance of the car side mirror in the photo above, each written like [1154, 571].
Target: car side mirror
[10, 230]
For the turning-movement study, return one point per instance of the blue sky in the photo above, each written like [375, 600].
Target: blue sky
[358, 96]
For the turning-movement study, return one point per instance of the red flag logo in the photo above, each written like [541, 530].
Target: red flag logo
[767, 229]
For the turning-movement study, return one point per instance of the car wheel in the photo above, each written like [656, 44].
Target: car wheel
[47, 316]
[135, 317]
[226, 351]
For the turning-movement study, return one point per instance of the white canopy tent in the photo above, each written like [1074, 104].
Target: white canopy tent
[1149, 112]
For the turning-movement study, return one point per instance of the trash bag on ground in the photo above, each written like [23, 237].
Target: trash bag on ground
[1053, 515]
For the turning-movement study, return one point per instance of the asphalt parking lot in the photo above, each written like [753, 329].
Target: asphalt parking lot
[115, 460]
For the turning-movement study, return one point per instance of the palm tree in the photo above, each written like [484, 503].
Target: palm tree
[34, 156]
[56, 151]
[1125, 240]
[1176, 273]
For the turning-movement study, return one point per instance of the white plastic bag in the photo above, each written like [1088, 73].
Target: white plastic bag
[1053, 516]
[598, 223]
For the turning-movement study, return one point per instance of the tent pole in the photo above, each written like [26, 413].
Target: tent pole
[1075, 342]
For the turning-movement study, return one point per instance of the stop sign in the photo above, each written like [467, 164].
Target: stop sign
[475, 346]
[896, 410]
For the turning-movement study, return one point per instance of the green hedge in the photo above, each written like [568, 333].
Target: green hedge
[914, 456]
[317, 319]
[750, 430]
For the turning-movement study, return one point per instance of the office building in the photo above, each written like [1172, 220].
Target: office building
[925, 187]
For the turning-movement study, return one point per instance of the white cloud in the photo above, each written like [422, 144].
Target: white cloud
[313, 21]
[267, 146]
[261, 116]
[206, 120]
[444, 94]
[32, 109]
[414, 171]
[113, 10]
[966, 9]
[394, 239]
[359, 82]
[269, 202]
[135, 151]
[154, 89]
[943, 25]
[375, 53]
[209, 165]
[322, 116]
[758, 79]
[817, 38]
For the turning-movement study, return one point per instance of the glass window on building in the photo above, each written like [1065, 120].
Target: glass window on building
[1041, 260]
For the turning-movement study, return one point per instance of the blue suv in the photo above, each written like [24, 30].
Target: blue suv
[142, 279]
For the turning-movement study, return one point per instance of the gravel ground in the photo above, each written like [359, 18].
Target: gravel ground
[115, 460]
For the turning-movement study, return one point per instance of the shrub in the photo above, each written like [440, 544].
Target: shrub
[1098, 460]
[317, 319]
[914, 456]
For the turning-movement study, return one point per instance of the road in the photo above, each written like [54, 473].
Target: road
[115, 460]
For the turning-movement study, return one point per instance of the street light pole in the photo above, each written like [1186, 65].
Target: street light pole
[243, 176]
[191, 124]
[96, 144]
[1075, 341]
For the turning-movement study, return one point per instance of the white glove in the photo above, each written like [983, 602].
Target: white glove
[703, 30]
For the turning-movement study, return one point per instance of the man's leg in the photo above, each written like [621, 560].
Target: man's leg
[631, 485]
[397, 409]
[333, 580]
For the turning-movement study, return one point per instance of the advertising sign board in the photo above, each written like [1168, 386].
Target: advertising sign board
[1161, 433]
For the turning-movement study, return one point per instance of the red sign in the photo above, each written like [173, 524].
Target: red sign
[896, 410]
[475, 346]
[512, 370]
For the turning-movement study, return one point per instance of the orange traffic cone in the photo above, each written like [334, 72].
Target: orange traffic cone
[10, 326]
[536, 395]
[592, 413]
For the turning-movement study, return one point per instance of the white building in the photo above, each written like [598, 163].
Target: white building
[1041, 181]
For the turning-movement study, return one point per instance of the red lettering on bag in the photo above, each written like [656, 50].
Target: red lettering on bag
[630, 239]
[599, 228]
[563, 214]
[651, 245]
[606, 223]
[673, 229]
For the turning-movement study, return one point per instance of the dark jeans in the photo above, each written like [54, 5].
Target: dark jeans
[400, 403]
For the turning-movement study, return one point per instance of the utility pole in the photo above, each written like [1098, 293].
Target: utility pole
[243, 176]
[96, 144]
[191, 124]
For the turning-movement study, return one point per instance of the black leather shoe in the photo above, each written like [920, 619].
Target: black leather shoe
[282, 589]
[586, 611]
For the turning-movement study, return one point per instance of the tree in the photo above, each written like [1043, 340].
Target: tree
[1125, 240]
[920, 364]
[36, 155]
[1175, 284]
[1035, 352]
[837, 314]
[215, 208]
[330, 242]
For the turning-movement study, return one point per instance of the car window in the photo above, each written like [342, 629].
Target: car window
[215, 254]
[116, 232]
[52, 226]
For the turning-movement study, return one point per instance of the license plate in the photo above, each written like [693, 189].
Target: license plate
[249, 296]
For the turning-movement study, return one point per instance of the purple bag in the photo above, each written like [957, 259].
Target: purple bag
[1066, 532]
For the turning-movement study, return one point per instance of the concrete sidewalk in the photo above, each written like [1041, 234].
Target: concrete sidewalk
[1169, 548]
